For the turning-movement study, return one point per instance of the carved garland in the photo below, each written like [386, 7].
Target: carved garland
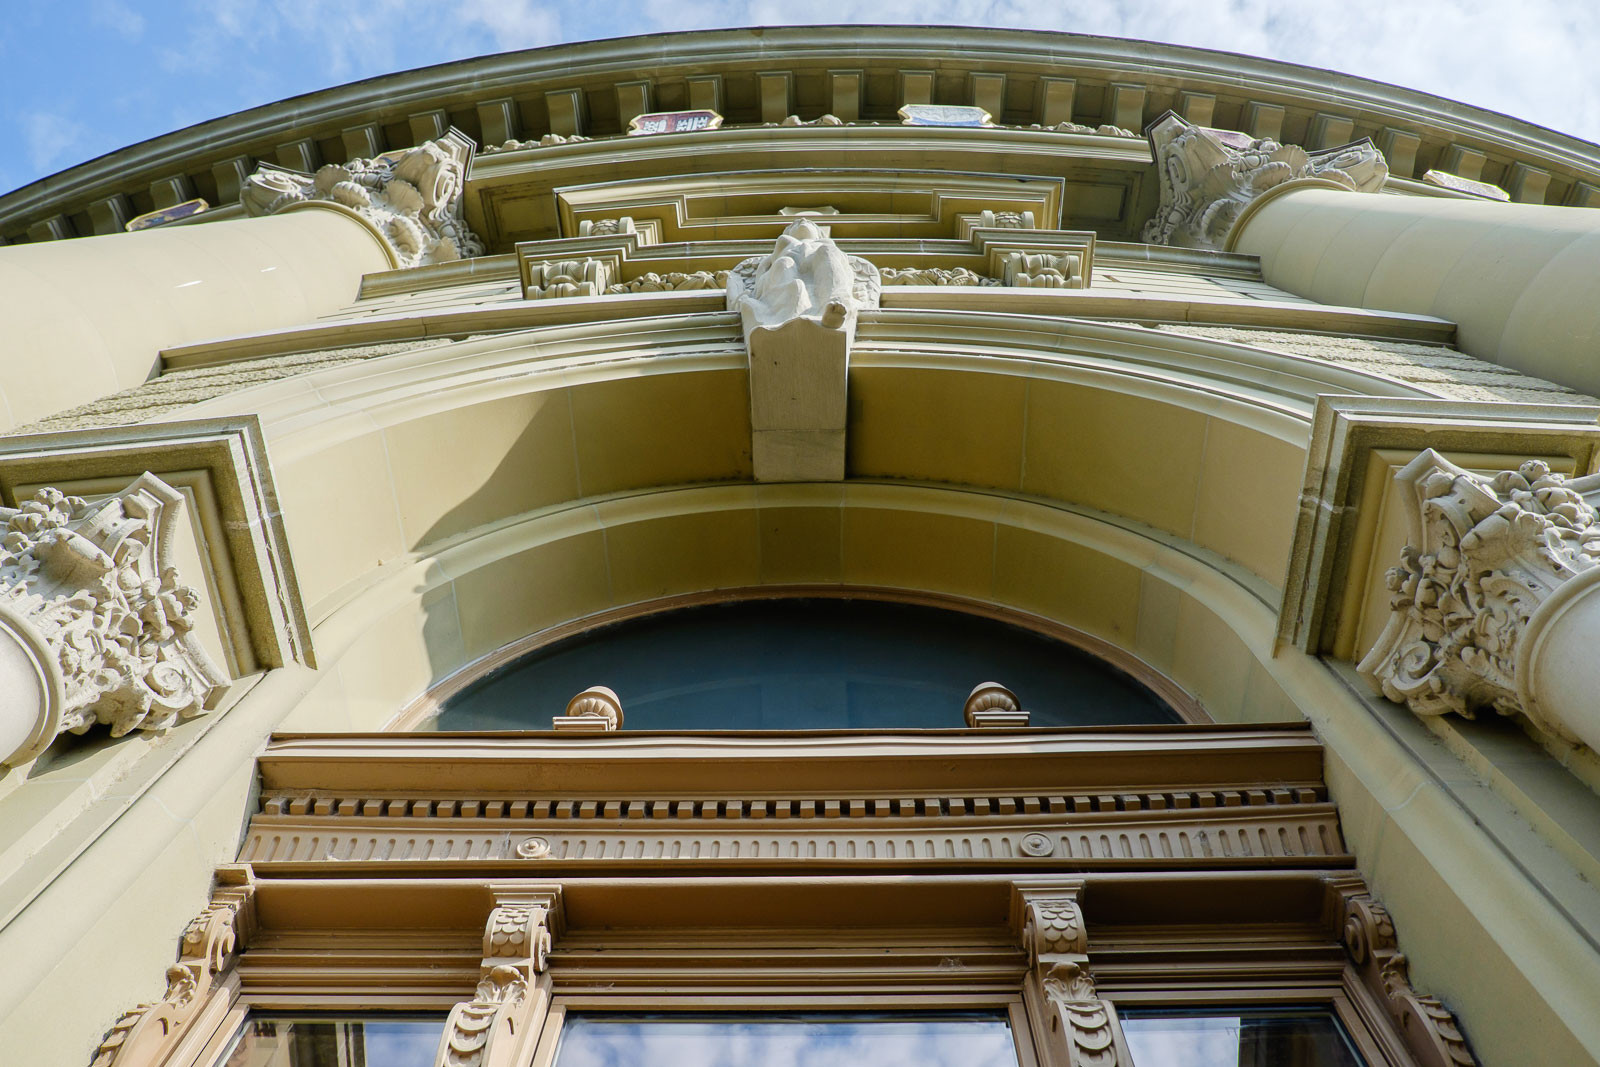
[149, 1032]
[1484, 553]
[96, 585]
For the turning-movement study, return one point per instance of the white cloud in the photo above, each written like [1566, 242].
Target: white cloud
[51, 138]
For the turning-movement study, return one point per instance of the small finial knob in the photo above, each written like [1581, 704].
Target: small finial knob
[992, 705]
[596, 709]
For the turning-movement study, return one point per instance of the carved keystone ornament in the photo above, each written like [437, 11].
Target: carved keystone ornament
[798, 307]
[1206, 184]
[412, 198]
[100, 626]
[1489, 606]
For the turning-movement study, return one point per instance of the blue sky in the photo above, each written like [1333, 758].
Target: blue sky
[82, 77]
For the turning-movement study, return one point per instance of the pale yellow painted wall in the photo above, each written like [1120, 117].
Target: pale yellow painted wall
[89, 316]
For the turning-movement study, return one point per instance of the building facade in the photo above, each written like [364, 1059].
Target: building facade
[978, 545]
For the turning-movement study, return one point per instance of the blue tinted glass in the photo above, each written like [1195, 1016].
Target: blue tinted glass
[342, 1041]
[767, 1040]
[1287, 1038]
[805, 664]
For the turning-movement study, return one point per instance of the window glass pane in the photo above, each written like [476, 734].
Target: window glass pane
[336, 1041]
[1272, 1038]
[804, 664]
[767, 1040]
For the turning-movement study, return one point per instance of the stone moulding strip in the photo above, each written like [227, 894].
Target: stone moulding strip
[223, 462]
[1346, 433]
[1220, 837]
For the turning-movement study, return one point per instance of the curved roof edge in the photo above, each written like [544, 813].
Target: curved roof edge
[1161, 68]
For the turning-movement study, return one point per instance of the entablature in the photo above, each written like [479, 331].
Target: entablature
[1022, 78]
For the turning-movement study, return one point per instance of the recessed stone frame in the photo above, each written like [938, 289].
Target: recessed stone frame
[1060, 955]
[1165, 689]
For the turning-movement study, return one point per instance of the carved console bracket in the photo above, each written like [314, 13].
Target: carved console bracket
[1209, 177]
[95, 625]
[147, 1035]
[1491, 605]
[556, 278]
[1429, 1029]
[798, 307]
[412, 198]
[1080, 1029]
[498, 1026]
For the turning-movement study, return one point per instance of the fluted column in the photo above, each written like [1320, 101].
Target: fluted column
[1495, 602]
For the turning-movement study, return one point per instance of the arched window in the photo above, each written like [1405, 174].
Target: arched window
[798, 664]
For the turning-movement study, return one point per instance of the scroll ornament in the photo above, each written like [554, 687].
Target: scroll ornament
[1208, 177]
[492, 1028]
[1428, 1026]
[147, 1033]
[413, 198]
[96, 586]
[1057, 942]
[1484, 554]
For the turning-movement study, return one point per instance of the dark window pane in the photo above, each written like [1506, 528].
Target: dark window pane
[1271, 1038]
[336, 1041]
[804, 664]
[767, 1040]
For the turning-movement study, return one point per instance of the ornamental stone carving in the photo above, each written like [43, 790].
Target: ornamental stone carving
[1042, 270]
[567, 277]
[672, 281]
[1208, 178]
[101, 627]
[497, 1027]
[148, 1033]
[991, 705]
[1082, 1029]
[1428, 1026]
[934, 276]
[798, 307]
[413, 198]
[595, 710]
[1488, 605]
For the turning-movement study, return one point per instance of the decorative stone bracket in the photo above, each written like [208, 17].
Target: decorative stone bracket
[1493, 604]
[1080, 1029]
[148, 1034]
[799, 307]
[95, 626]
[499, 1025]
[1426, 1024]
[553, 279]
[412, 198]
[1209, 177]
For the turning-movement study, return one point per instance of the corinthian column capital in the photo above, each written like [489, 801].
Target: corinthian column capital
[412, 198]
[100, 626]
[1208, 177]
[1490, 597]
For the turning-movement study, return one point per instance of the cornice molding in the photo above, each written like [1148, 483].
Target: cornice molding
[1029, 53]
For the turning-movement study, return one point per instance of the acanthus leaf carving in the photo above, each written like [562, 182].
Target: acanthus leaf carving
[412, 198]
[1427, 1025]
[1208, 178]
[1483, 555]
[671, 282]
[495, 1027]
[96, 585]
[934, 276]
[149, 1031]
[1081, 1026]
